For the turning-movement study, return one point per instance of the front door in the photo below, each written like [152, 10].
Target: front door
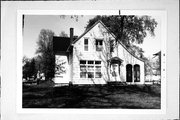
[129, 73]
[115, 72]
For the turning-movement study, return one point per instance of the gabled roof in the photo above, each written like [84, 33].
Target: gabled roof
[99, 21]
[115, 60]
[86, 32]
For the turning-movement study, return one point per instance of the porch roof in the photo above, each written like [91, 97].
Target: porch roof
[115, 60]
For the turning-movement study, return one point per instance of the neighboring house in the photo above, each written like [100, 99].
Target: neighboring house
[95, 58]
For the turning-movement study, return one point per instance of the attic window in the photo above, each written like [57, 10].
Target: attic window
[99, 44]
[85, 44]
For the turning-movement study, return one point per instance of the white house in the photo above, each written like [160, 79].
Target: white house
[95, 58]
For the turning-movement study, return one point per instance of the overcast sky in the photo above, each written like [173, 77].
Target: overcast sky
[34, 23]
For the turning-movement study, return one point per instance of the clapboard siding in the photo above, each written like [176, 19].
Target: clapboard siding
[128, 58]
[100, 32]
[80, 54]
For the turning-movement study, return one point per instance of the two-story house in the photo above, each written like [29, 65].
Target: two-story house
[95, 58]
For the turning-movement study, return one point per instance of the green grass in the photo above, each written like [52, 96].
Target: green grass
[125, 97]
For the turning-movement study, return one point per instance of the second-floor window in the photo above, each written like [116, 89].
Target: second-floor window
[99, 44]
[85, 44]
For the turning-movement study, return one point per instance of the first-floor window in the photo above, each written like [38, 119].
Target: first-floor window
[83, 74]
[136, 73]
[90, 69]
[98, 72]
[83, 71]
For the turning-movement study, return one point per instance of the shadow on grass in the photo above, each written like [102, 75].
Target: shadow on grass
[88, 96]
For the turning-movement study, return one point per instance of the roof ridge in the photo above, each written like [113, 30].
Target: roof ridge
[99, 21]
[87, 30]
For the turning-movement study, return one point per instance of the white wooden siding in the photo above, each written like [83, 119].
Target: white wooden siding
[91, 54]
[127, 58]
[99, 32]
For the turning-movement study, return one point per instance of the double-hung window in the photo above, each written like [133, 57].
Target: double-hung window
[85, 44]
[90, 69]
[99, 44]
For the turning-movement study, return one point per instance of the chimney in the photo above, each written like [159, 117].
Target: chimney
[71, 35]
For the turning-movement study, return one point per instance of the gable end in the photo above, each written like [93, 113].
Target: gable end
[99, 21]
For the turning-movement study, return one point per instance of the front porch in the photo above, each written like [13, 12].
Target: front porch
[114, 64]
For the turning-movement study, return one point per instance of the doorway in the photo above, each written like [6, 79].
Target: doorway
[129, 73]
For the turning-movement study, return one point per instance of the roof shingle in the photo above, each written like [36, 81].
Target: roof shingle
[61, 44]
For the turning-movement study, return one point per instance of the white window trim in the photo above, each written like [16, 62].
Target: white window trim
[87, 45]
[94, 68]
[99, 39]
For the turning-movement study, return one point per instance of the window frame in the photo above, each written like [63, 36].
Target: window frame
[137, 73]
[90, 69]
[86, 44]
[99, 44]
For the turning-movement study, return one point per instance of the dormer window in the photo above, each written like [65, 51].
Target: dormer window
[99, 44]
[85, 44]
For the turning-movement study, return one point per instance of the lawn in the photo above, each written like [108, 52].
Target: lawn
[96, 96]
